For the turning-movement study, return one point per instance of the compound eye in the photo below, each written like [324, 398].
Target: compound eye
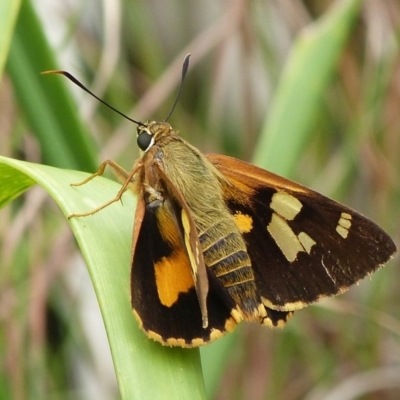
[144, 140]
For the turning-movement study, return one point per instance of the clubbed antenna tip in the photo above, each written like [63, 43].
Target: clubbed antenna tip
[185, 67]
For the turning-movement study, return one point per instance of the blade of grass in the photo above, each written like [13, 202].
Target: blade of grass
[8, 16]
[46, 103]
[144, 369]
[303, 82]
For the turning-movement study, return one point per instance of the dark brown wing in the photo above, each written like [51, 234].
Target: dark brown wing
[303, 246]
[163, 293]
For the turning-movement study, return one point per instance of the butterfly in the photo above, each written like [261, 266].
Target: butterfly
[217, 241]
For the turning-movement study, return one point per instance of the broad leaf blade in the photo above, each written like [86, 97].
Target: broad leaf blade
[144, 368]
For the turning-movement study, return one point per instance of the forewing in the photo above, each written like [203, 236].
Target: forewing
[303, 246]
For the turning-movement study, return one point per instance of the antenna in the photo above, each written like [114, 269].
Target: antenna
[185, 67]
[82, 86]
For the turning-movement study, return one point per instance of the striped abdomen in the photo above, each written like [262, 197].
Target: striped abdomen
[225, 253]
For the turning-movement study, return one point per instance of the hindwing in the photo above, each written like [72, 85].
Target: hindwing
[163, 292]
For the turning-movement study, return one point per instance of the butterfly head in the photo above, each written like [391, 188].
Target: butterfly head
[150, 133]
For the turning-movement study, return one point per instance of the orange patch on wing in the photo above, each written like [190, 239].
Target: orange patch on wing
[173, 276]
[243, 221]
[168, 227]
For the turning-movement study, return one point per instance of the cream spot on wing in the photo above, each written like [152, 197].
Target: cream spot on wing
[284, 237]
[286, 208]
[344, 225]
[343, 232]
[237, 314]
[285, 205]
[297, 305]
[306, 241]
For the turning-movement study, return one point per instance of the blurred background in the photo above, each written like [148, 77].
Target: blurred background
[308, 89]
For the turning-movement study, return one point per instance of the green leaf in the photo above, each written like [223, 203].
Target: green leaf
[144, 369]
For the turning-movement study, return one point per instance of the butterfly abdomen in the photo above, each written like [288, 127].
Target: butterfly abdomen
[225, 254]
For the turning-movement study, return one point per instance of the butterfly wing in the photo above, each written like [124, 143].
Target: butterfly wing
[303, 246]
[163, 291]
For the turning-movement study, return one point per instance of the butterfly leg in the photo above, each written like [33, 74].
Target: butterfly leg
[122, 175]
[119, 172]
